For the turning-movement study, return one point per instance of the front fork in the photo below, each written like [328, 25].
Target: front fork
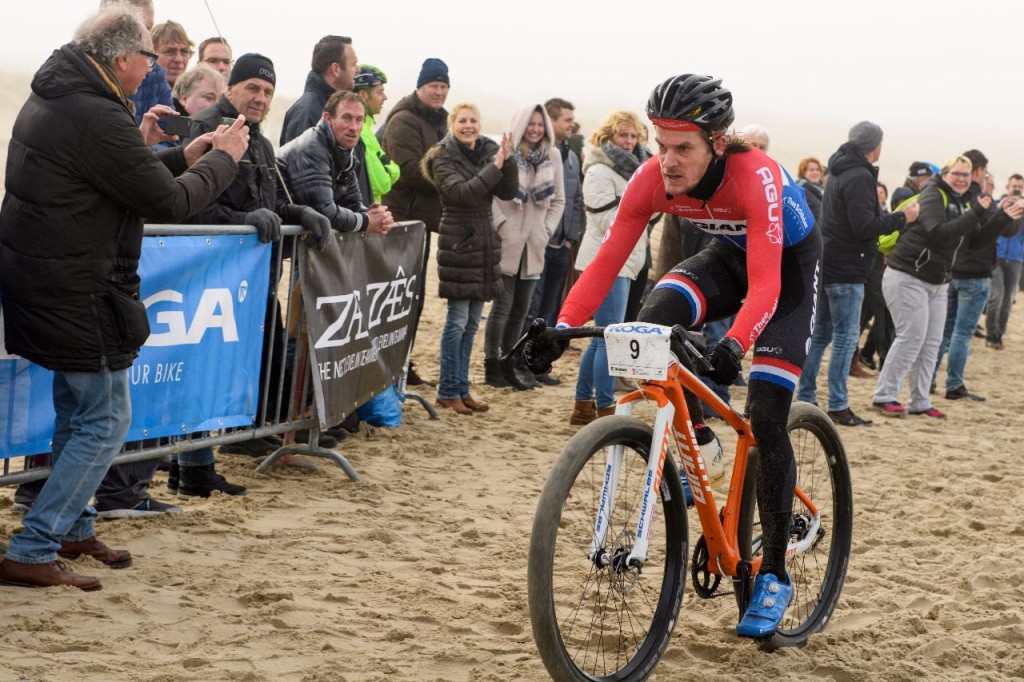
[652, 482]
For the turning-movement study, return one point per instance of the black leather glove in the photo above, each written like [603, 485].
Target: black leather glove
[540, 352]
[267, 224]
[318, 226]
[724, 357]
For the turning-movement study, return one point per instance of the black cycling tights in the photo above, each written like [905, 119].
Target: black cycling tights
[768, 406]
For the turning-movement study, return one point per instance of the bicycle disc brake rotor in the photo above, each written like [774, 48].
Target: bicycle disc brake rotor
[623, 578]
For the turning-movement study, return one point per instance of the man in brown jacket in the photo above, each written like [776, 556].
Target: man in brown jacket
[417, 123]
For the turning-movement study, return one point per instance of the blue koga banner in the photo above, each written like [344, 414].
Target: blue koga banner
[199, 370]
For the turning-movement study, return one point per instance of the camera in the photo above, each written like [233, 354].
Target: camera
[176, 125]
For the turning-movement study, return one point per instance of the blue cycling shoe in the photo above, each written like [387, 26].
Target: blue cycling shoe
[767, 606]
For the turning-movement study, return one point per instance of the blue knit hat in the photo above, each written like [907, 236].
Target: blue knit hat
[433, 71]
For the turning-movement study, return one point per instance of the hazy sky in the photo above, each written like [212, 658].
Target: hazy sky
[937, 81]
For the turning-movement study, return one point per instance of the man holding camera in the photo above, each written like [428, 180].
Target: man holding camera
[70, 242]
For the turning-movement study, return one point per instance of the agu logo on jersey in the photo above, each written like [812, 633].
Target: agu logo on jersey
[771, 195]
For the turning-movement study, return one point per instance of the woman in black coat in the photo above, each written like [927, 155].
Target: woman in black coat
[468, 171]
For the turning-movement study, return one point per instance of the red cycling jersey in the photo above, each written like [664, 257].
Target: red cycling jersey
[757, 208]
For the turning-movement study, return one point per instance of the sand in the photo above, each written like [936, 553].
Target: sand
[419, 571]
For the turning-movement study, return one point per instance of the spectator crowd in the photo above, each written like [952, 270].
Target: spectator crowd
[904, 282]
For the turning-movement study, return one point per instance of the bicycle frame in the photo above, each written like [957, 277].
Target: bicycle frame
[673, 421]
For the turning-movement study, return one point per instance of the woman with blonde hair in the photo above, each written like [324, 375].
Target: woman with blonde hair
[618, 150]
[525, 223]
[469, 171]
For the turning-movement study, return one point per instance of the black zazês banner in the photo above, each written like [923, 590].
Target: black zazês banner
[359, 296]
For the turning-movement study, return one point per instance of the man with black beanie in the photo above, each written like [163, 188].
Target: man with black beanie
[254, 199]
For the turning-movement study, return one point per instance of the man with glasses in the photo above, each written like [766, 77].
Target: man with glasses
[217, 53]
[174, 48]
[69, 279]
[154, 89]
[334, 67]
[971, 281]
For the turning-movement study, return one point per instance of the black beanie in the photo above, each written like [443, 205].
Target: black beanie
[252, 65]
[433, 71]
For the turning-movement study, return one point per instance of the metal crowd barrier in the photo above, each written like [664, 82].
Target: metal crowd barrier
[275, 390]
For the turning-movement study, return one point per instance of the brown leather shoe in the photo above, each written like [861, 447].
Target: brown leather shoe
[114, 558]
[858, 370]
[454, 404]
[474, 405]
[606, 411]
[52, 574]
[583, 413]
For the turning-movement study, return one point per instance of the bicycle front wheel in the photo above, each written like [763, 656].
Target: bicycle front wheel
[605, 622]
[818, 572]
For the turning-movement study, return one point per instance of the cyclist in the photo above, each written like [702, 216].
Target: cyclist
[762, 266]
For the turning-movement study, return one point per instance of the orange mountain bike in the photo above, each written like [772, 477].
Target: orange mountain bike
[606, 576]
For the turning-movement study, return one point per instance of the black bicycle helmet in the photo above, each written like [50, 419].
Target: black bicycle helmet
[691, 102]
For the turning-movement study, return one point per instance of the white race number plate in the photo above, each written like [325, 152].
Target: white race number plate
[637, 350]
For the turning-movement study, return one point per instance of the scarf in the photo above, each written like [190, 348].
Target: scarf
[625, 163]
[107, 74]
[543, 184]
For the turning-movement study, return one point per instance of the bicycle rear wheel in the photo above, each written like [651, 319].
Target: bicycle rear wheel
[817, 574]
[605, 623]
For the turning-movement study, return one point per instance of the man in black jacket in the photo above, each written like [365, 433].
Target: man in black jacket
[851, 222]
[972, 277]
[256, 199]
[334, 67]
[70, 241]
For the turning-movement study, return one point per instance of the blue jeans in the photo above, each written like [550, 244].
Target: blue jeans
[547, 296]
[93, 414]
[456, 346]
[196, 458]
[965, 302]
[594, 378]
[837, 321]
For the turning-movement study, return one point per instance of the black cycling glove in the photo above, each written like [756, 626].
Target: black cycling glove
[540, 352]
[267, 224]
[724, 357]
[318, 226]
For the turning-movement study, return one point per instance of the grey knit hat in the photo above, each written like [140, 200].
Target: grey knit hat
[865, 136]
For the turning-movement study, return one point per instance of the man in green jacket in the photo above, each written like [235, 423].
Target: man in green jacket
[383, 172]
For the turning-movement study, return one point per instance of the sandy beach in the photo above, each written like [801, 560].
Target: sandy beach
[419, 571]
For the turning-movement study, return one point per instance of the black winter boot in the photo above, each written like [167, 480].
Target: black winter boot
[508, 371]
[174, 477]
[492, 373]
[201, 481]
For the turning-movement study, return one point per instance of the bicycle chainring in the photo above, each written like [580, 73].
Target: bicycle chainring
[705, 583]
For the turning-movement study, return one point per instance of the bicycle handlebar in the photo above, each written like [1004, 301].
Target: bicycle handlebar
[683, 341]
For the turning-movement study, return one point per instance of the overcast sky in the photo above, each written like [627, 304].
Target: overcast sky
[937, 81]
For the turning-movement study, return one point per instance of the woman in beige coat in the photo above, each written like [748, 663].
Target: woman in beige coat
[618, 150]
[524, 224]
